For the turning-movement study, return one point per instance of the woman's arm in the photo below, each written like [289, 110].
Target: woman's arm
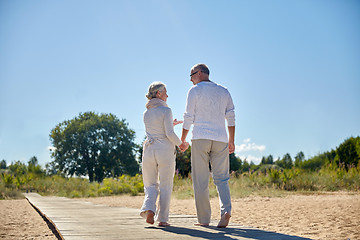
[169, 128]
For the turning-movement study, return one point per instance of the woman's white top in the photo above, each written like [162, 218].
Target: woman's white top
[159, 126]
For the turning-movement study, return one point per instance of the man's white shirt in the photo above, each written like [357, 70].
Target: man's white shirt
[208, 105]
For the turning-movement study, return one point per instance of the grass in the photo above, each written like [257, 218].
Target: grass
[274, 183]
[72, 187]
[183, 188]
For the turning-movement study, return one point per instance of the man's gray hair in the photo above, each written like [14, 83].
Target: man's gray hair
[201, 67]
[154, 88]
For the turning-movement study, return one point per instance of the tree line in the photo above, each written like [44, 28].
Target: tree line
[346, 155]
[101, 146]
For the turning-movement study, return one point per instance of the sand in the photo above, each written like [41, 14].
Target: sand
[19, 220]
[320, 216]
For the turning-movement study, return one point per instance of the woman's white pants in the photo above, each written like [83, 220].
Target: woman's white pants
[158, 169]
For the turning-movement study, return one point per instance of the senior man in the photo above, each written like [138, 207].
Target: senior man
[208, 105]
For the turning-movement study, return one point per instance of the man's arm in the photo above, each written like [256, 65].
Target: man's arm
[230, 117]
[231, 139]
[184, 134]
[184, 145]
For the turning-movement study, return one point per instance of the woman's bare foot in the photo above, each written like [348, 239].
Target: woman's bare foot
[150, 217]
[163, 224]
[202, 224]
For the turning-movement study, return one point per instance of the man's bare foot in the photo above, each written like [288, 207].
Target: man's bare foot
[163, 224]
[224, 221]
[150, 217]
[202, 224]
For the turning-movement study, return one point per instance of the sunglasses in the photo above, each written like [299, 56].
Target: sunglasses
[194, 73]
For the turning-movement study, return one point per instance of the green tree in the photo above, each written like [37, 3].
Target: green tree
[314, 163]
[95, 145]
[267, 160]
[245, 166]
[299, 158]
[235, 163]
[52, 169]
[18, 168]
[33, 166]
[140, 149]
[3, 164]
[183, 162]
[285, 162]
[348, 153]
[270, 159]
[33, 161]
[253, 166]
[330, 156]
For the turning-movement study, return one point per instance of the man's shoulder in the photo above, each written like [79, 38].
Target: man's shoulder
[193, 88]
[208, 85]
[224, 89]
[217, 87]
[220, 86]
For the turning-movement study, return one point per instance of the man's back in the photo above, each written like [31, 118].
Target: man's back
[209, 104]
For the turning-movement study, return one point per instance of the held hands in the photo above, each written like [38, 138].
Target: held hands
[176, 122]
[183, 146]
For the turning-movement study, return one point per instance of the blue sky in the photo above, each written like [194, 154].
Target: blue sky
[292, 67]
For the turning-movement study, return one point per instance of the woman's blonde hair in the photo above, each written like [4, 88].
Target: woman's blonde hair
[154, 88]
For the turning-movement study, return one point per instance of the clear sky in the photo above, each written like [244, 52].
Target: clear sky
[292, 68]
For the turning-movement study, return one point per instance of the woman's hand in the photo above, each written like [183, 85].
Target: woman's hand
[176, 122]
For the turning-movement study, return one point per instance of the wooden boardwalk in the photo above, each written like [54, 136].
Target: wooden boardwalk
[84, 221]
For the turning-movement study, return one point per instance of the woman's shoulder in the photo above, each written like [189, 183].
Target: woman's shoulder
[165, 108]
[159, 109]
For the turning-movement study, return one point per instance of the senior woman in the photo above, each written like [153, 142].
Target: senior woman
[159, 152]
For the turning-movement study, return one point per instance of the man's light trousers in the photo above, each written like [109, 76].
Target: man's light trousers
[158, 163]
[216, 153]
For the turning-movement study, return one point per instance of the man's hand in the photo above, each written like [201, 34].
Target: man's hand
[231, 147]
[183, 146]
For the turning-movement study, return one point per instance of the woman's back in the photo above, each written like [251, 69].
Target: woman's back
[159, 126]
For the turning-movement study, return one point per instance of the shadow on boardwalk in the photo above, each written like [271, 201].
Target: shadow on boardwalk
[230, 233]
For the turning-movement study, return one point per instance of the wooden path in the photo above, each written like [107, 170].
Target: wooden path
[81, 220]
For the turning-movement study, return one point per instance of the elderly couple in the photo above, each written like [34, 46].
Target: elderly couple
[208, 105]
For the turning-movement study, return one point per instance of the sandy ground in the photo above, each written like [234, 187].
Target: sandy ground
[324, 216]
[19, 220]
